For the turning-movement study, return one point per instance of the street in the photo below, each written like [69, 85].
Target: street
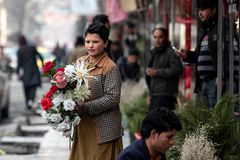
[17, 109]
[17, 105]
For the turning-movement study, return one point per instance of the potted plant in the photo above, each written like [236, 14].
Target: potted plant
[133, 114]
[222, 128]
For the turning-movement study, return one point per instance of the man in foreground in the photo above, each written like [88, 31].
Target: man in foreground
[158, 129]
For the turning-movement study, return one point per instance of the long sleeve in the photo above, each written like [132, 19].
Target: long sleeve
[111, 93]
[173, 71]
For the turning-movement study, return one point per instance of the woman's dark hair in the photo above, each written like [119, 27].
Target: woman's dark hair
[160, 119]
[100, 18]
[100, 29]
[79, 41]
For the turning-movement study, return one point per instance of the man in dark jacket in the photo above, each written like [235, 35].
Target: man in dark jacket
[205, 55]
[158, 130]
[163, 71]
[27, 69]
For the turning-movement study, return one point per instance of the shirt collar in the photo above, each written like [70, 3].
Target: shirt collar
[99, 62]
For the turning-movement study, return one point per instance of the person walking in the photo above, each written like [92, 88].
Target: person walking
[59, 53]
[163, 71]
[129, 67]
[158, 130]
[78, 51]
[205, 54]
[27, 69]
[99, 134]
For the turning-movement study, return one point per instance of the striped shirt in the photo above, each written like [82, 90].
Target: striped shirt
[236, 59]
[206, 68]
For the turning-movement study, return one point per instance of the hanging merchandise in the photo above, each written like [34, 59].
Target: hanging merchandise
[114, 12]
[132, 5]
[128, 6]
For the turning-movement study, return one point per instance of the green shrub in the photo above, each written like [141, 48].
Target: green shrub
[223, 128]
[134, 112]
[191, 116]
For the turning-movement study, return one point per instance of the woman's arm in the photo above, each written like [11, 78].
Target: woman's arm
[111, 94]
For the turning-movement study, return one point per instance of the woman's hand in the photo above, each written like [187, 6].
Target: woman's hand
[79, 107]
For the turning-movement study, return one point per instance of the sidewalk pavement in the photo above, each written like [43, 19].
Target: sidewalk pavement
[53, 146]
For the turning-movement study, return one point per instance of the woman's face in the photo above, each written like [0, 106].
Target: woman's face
[158, 38]
[94, 45]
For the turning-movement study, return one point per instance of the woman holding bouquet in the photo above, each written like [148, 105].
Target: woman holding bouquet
[99, 134]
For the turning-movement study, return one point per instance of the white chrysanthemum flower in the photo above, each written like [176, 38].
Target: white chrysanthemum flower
[76, 121]
[81, 73]
[45, 115]
[82, 93]
[69, 70]
[69, 94]
[69, 105]
[55, 118]
[64, 126]
[57, 99]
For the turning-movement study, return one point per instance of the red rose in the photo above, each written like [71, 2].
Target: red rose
[48, 94]
[46, 103]
[47, 67]
[52, 90]
[60, 69]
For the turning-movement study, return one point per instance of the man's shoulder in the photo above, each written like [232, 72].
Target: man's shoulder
[135, 151]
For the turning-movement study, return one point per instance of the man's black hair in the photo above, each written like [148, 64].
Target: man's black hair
[100, 29]
[160, 119]
[22, 40]
[204, 4]
[164, 30]
[130, 24]
[134, 51]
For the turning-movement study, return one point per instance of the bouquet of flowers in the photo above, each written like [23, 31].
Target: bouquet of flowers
[69, 85]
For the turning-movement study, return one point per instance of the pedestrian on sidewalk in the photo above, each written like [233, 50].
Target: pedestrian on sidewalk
[129, 67]
[99, 134]
[158, 130]
[28, 70]
[163, 71]
[79, 50]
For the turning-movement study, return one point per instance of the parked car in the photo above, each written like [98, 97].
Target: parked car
[47, 56]
[11, 53]
[4, 93]
[10, 66]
